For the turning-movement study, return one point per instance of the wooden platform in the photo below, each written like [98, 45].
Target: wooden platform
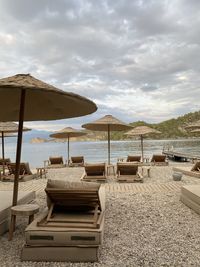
[178, 156]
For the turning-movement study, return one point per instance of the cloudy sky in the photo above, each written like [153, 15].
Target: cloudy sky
[136, 59]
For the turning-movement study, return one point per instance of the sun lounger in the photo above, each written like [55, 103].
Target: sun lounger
[194, 171]
[4, 161]
[25, 174]
[128, 172]
[71, 229]
[159, 160]
[6, 203]
[77, 161]
[54, 162]
[133, 158]
[95, 172]
[190, 196]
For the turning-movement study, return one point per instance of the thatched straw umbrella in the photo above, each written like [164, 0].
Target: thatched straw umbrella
[5, 128]
[107, 123]
[67, 133]
[141, 131]
[25, 98]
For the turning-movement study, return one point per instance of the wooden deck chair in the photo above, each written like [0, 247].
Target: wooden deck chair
[194, 171]
[54, 162]
[128, 172]
[95, 172]
[159, 160]
[5, 161]
[75, 205]
[133, 158]
[77, 161]
[25, 174]
[196, 167]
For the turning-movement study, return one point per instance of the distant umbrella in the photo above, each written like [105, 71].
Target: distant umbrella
[142, 131]
[25, 98]
[107, 123]
[67, 133]
[5, 129]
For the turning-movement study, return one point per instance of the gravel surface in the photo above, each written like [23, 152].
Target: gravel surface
[142, 229]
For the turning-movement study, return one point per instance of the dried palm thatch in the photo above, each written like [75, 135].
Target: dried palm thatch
[107, 123]
[25, 98]
[141, 131]
[67, 133]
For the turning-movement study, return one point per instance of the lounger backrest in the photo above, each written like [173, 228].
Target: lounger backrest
[196, 166]
[5, 161]
[95, 169]
[79, 159]
[158, 158]
[56, 160]
[127, 169]
[23, 168]
[133, 158]
[75, 195]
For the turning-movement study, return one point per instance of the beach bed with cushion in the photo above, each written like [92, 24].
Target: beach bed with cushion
[194, 171]
[190, 196]
[159, 160]
[25, 173]
[77, 161]
[54, 162]
[95, 172]
[133, 158]
[128, 172]
[71, 229]
[6, 203]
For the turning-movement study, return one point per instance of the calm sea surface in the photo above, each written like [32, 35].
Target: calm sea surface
[35, 154]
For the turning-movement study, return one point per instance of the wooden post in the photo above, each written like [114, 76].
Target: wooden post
[108, 144]
[142, 149]
[3, 154]
[19, 146]
[68, 149]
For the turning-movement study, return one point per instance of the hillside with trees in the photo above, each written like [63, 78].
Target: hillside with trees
[173, 128]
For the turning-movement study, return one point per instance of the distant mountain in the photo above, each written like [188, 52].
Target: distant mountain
[173, 128]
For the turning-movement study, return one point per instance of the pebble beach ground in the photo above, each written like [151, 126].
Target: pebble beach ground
[142, 227]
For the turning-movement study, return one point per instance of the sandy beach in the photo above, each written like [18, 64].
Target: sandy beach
[145, 225]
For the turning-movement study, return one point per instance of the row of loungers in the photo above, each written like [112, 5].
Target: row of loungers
[126, 172]
[58, 162]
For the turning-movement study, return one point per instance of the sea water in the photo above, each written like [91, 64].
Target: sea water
[97, 151]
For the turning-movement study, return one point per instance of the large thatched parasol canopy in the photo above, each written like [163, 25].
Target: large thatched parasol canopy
[66, 133]
[5, 129]
[107, 123]
[141, 131]
[25, 98]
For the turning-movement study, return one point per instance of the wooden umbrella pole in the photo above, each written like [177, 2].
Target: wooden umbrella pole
[142, 149]
[19, 146]
[3, 154]
[108, 144]
[68, 148]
